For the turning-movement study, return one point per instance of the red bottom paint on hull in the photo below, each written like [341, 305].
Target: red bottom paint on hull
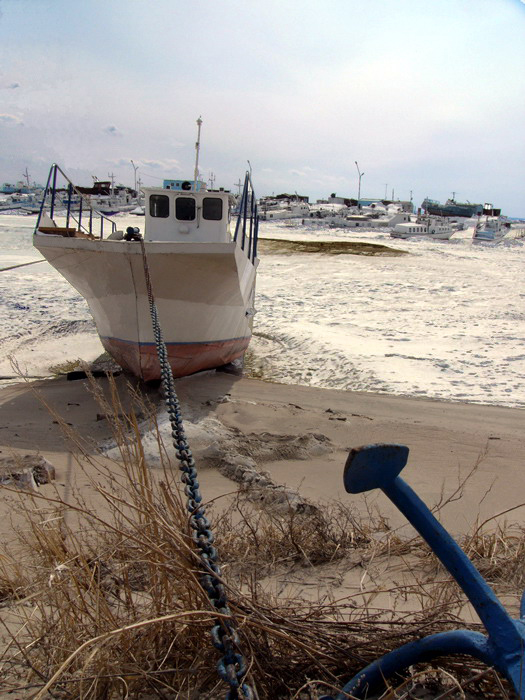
[188, 358]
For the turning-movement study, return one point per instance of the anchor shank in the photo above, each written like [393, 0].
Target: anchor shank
[488, 607]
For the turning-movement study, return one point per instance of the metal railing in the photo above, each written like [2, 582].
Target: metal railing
[247, 227]
[79, 211]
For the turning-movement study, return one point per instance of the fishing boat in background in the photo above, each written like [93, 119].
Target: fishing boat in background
[492, 227]
[21, 186]
[110, 199]
[203, 276]
[24, 203]
[290, 210]
[424, 226]
[451, 208]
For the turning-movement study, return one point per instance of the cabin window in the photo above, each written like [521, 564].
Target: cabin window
[185, 208]
[212, 208]
[159, 206]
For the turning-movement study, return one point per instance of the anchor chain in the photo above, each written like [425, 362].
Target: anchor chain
[231, 667]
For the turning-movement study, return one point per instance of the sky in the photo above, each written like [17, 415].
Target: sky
[426, 96]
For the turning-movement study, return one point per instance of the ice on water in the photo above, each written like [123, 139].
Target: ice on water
[446, 321]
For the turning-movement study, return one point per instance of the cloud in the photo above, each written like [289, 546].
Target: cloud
[111, 130]
[11, 120]
[167, 163]
[304, 172]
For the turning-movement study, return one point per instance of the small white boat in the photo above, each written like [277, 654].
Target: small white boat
[492, 228]
[203, 277]
[27, 203]
[424, 227]
[295, 210]
[367, 221]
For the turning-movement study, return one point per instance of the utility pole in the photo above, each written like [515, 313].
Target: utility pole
[386, 189]
[135, 168]
[197, 148]
[211, 180]
[239, 185]
[359, 188]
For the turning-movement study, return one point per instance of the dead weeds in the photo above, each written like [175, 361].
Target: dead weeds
[110, 605]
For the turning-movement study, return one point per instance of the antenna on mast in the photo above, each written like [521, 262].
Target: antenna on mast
[197, 148]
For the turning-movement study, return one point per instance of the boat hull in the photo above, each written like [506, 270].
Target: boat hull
[441, 236]
[185, 358]
[204, 294]
[464, 210]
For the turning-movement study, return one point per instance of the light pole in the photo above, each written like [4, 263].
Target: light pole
[135, 168]
[359, 189]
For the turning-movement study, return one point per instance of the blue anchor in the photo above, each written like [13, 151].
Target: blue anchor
[379, 466]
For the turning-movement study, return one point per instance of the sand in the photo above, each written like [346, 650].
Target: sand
[301, 436]
[446, 440]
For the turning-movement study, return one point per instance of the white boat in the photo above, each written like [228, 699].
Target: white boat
[294, 210]
[492, 228]
[27, 203]
[203, 277]
[109, 199]
[424, 227]
[352, 218]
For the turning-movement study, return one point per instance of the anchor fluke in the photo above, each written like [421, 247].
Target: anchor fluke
[373, 466]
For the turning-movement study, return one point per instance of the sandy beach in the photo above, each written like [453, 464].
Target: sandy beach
[446, 440]
[299, 438]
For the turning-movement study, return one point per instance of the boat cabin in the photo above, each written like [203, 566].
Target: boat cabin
[185, 210]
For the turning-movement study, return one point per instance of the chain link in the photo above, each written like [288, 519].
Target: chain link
[232, 665]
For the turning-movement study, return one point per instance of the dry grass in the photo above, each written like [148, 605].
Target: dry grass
[109, 605]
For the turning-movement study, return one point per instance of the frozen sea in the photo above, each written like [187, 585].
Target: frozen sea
[446, 321]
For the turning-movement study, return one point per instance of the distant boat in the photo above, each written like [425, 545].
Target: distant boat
[424, 227]
[357, 220]
[451, 208]
[21, 187]
[294, 210]
[492, 228]
[109, 199]
[28, 203]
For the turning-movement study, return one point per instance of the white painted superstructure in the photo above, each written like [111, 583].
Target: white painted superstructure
[426, 226]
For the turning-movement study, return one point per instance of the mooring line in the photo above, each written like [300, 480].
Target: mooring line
[232, 665]
[13, 267]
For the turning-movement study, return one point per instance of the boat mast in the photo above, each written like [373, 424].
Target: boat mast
[112, 186]
[197, 148]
